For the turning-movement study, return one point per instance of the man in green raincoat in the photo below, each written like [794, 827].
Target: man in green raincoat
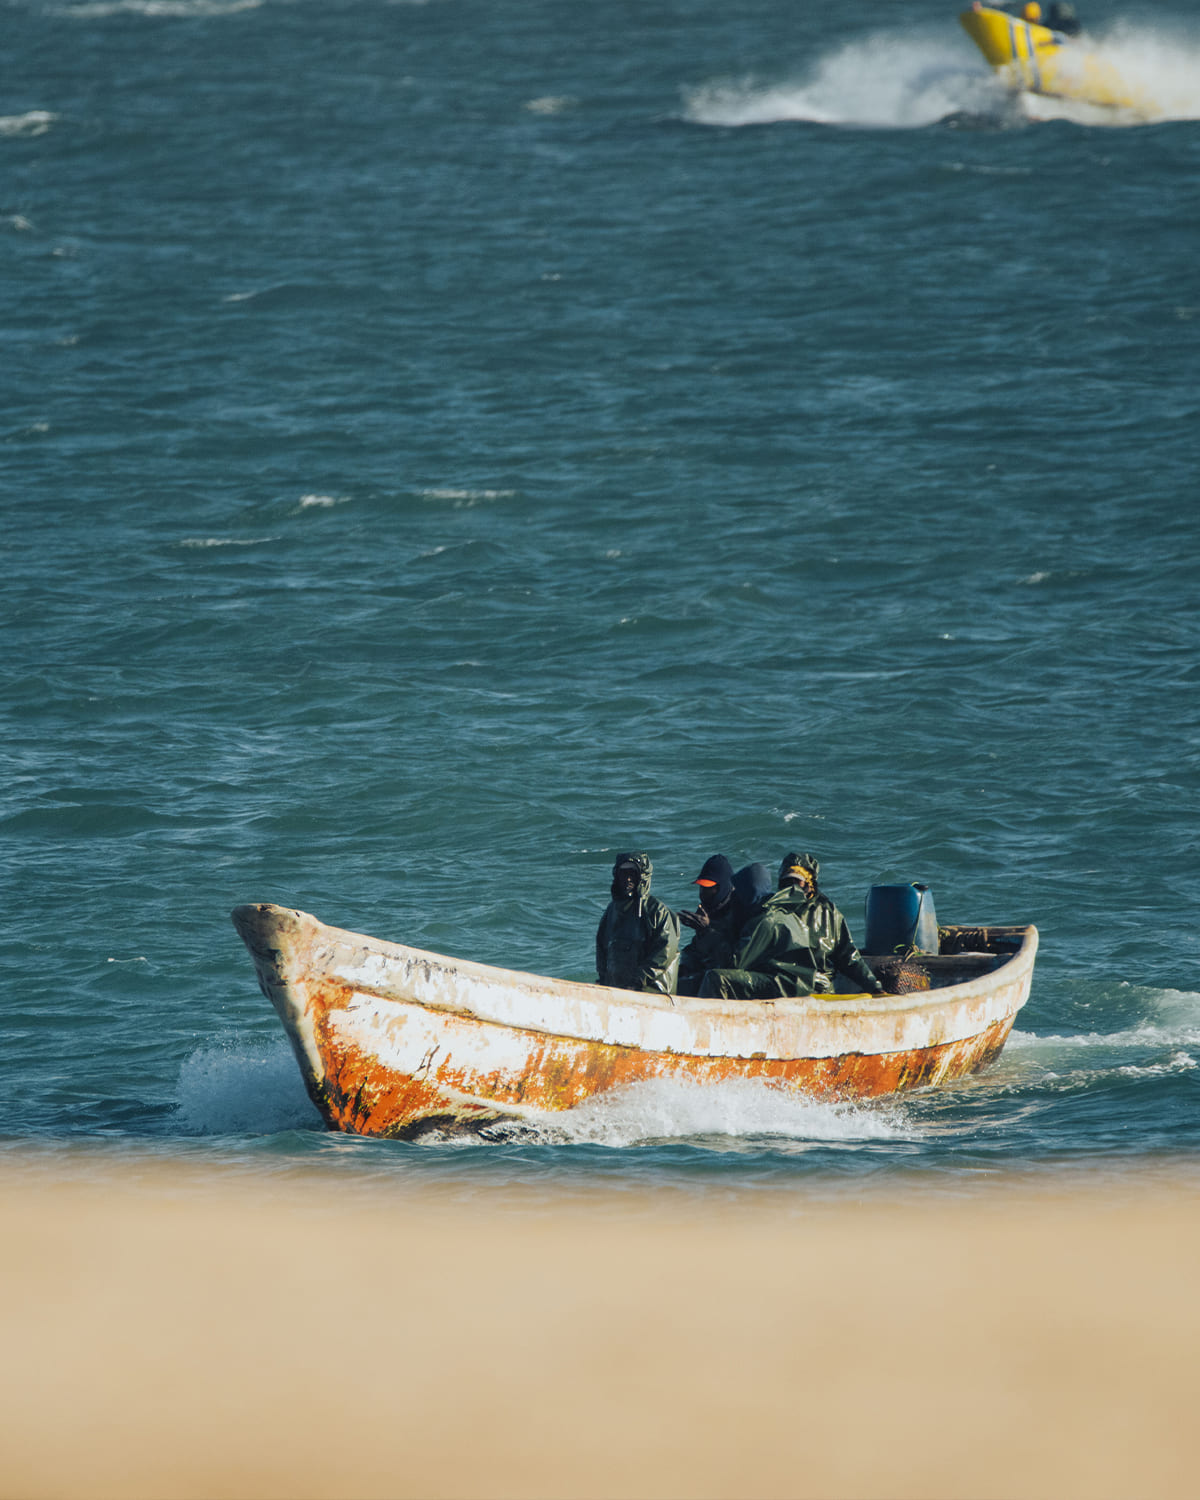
[795, 946]
[637, 943]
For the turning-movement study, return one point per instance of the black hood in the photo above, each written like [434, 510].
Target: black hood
[751, 886]
[718, 868]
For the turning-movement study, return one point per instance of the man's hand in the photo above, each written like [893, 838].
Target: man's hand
[696, 920]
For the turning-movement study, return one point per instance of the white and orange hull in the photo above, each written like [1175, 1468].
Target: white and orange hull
[394, 1041]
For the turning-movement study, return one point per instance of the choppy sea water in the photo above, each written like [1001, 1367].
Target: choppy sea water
[444, 444]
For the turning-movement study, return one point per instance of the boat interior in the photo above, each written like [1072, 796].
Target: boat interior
[964, 953]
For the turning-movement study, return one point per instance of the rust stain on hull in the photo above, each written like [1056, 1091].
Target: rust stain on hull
[363, 1096]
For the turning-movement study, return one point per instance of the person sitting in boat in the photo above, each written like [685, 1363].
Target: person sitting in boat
[727, 902]
[715, 925]
[795, 946]
[751, 886]
[637, 942]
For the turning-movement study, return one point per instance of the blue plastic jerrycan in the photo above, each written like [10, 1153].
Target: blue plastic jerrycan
[899, 919]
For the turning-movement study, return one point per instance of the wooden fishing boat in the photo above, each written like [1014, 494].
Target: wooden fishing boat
[1032, 58]
[394, 1041]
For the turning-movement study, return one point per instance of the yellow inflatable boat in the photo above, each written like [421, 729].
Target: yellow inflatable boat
[1034, 58]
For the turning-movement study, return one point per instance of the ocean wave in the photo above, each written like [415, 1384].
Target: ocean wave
[93, 10]
[1173, 1021]
[549, 104]
[225, 541]
[464, 499]
[32, 122]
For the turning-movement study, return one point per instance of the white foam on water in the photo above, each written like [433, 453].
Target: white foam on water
[1177, 1062]
[33, 122]
[225, 541]
[908, 80]
[240, 1087]
[549, 104]
[322, 502]
[1166, 1041]
[670, 1109]
[157, 9]
[465, 499]
[885, 81]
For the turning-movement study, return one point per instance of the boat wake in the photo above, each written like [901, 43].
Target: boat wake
[908, 81]
[1163, 1043]
[886, 81]
[240, 1087]
[724, 1115]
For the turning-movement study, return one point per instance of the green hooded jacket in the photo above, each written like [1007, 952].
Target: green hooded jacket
[803, 941]
[637, 942]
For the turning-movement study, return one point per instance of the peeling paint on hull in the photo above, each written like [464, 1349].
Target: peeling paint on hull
[393, 1041]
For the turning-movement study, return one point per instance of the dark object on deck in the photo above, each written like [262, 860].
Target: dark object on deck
[901, 920]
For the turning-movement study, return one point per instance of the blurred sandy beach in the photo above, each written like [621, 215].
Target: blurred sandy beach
[196, 1333]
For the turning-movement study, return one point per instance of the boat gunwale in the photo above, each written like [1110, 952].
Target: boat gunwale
[1010, 970]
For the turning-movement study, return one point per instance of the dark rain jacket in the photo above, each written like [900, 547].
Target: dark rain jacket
[712, 948]
[637, 942]
[715, 947]
[803, 941]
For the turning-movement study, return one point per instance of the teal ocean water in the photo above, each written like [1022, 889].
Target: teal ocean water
[443, 444]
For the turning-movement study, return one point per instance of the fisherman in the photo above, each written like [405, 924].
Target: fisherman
[795, 946]
[637, 942]
[751, 886]
[727, 903]
[715, 924]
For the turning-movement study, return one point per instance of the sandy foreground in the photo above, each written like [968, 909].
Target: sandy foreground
[187, 1332]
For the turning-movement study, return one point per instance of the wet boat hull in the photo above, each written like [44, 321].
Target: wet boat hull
[395, 1041]
[1033, 59]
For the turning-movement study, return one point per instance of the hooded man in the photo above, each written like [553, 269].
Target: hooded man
[637, 943]
[751, 886]
[795, 946]
[716, 925]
